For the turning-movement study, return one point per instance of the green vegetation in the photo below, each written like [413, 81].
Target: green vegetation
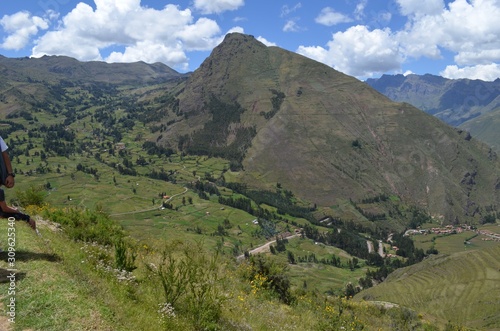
[212, 139]
[160, 199]
[483, 127]
[176, 285]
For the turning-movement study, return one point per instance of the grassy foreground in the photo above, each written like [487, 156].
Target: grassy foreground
[63, 284]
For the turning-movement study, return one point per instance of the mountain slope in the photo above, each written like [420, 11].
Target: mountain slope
[485, 127]
[30, 83]
[328, 137]
[463, 287]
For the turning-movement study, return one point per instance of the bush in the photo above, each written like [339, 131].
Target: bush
[191, 279]
[86, 225]
[267, 274]
[125, 255]
[33, 196]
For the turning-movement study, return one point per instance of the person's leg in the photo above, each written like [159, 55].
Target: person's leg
[19, 217]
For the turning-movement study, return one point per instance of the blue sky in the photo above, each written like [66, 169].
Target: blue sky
[362, 38]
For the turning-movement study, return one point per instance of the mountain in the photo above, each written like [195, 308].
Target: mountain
[454, 101]
[26, 82]
[327, 136]
[57, 68]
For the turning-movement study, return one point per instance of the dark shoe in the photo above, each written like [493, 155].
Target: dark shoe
[32, 224]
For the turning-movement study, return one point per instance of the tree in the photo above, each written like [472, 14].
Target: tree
[272, 274]
[280, 244]
[350, 290]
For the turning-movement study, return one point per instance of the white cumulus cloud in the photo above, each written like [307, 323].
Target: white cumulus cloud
[217, 6]
[133, 32]
[487, 72]
[21, 26]
[330, 17]
[358, 52]
[468, 30]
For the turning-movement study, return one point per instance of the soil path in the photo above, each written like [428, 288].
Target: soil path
[265, 247]
[370, 246]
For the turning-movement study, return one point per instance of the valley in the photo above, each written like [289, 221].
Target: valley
[288, 183]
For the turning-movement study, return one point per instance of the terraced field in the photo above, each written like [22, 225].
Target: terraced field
[463, 287]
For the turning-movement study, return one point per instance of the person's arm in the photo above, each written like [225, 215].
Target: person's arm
[9, 181]
[8, 209]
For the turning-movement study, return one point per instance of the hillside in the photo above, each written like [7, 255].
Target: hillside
[63, 284]
[485, 127]
[27, 84]
[462, 287]
[454, 101]
[329, 137]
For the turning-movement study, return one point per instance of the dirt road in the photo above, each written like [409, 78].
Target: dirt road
[265, 247]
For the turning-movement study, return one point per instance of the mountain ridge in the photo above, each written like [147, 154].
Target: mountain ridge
[454, 101]
[56, 67]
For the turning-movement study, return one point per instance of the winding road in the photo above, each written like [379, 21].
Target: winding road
[371, 249]
[265, 247]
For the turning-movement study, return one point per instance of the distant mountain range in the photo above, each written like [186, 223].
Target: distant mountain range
[473, 105]
[62, 68]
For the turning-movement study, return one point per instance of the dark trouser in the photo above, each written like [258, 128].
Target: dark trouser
[17, 216]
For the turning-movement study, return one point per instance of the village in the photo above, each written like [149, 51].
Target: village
[451, 229]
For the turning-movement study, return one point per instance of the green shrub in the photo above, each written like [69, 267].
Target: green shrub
[266, 273]
[33, 196]
[86, 225]
[125, 255]
[191, 279]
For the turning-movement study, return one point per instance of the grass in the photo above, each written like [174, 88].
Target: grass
[484, 128]
[319, 277]
[58, 291]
